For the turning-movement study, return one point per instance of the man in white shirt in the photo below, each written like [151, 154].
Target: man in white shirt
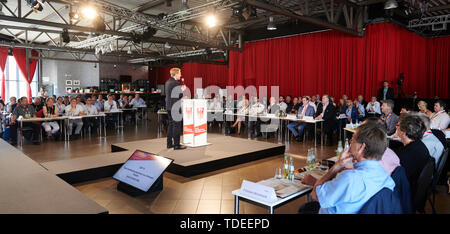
[91, 122]
[434, 146]
[373, 107]
[111, 106]
[74, 110]
[439, 119]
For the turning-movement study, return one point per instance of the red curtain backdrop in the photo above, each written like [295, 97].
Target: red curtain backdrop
[211, 74]
[335, 63]
[19, 55]
[3, 57]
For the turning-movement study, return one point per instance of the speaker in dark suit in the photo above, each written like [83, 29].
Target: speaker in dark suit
[389, 92]
[174, 93]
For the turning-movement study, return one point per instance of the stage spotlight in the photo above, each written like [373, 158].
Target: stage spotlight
[74, 16]
[136, 38]
[271, 25]
[148, 33]
[167, 45]
[35, 5]
[99, 25]
[129, 50]
[10, 51]
[211, 20]
[89, 12]
[185, 5]
[65, 36]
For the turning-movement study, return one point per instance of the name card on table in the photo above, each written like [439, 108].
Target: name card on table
[291, 116]
[258, 191]
[308, 118]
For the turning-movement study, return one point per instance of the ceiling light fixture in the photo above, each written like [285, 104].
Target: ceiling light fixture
[211, 20]
[89, 12]
[390, 4]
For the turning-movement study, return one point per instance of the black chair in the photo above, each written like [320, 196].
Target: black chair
[423, 186]
[437, 174]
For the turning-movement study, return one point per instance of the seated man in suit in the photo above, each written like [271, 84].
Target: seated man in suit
[255, 123]
[388, 116]
[305, 110]
[327, 112]
[342, 191]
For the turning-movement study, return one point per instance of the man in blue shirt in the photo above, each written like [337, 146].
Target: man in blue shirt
[137, 101]
[346, 187]
[361, 109]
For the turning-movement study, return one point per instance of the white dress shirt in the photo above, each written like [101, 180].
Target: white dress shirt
[439, 120]
[110, 107]
[73, 112]
[373, 108]
[434, 145]
[90, 109]
[283, 106]
[256, 108]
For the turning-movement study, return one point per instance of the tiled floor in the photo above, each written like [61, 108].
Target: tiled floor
[208, 193]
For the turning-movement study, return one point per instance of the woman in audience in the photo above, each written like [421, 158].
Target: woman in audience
[11, 105]
[241, 115]
[414, 155]
[60, 105]
[422, 105]
[50, 110]
[217, 110]
[340, 107]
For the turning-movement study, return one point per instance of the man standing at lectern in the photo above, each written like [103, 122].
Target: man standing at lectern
[174, 93]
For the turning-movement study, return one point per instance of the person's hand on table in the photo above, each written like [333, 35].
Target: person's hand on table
[309, 180]
[318, 117]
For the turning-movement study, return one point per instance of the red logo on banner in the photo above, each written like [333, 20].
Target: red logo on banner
[189, 112]
[200, 112]
[138, 155]
[188, 129]
[200, 129]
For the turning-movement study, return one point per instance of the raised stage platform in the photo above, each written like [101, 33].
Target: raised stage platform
[222, 152]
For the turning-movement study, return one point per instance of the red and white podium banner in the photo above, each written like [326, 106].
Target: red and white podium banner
[195, 122]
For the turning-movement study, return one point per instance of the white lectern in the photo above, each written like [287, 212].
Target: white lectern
[194, 122]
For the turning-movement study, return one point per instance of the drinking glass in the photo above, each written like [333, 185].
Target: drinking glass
[278, 173]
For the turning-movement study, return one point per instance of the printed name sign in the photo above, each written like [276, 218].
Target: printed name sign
[258, 191]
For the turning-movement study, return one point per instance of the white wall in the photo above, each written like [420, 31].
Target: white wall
[60, 71]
